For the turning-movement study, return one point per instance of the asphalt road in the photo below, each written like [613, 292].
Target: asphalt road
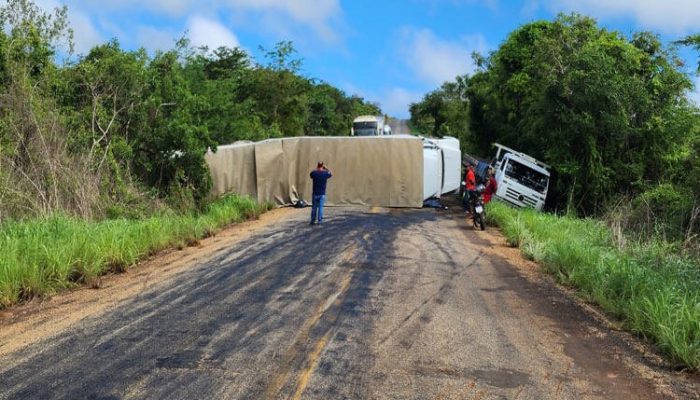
[374, 304]
[399, 127]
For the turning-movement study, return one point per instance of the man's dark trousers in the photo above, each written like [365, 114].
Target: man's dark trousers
[317, 207]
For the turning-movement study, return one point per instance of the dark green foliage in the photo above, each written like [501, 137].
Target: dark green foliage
[609, 113]
[692, 167]
[694, 41]
[140, 125]
[664, 210]
[169, 149]
[614, 107]
[445, 112]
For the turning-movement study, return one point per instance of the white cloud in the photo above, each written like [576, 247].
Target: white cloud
[674, 17]
[392, 101]
[397, 101]
[320, 16]
[211, 33]
[434, 60]
[491, 4]
[171, 8]
[153, 39]
[86, 35]
[317, 14]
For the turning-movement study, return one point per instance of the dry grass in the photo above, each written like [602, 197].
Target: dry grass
[39, 175]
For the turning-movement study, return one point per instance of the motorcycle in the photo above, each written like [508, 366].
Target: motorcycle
[477, 207]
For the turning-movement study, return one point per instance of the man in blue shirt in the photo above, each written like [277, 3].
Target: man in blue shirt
[320, 176]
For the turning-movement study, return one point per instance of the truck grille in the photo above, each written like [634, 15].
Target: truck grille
[520, 199]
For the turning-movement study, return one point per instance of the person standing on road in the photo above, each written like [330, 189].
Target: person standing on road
[320, 177]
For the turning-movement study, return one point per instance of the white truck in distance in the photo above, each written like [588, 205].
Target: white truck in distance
[370, 125]
[522, 180]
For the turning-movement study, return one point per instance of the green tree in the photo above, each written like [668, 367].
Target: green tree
[31, 37]
[118, 122]
[691, 168]
[447, 105]
[220, 78]
[445, 112]
[693, 41]
[169, 148]
[38, 172]
[603, 110]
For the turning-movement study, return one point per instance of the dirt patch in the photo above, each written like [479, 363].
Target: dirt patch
[26, 324]
[497, 246]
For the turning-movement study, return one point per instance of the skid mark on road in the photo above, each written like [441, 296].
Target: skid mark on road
[452, 276]
[314, 358]
[302, 338]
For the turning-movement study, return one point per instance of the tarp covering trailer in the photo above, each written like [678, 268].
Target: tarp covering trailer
[382, 171]
[385, 171]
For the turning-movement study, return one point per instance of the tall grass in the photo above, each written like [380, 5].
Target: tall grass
[42, 256]
[652, 287]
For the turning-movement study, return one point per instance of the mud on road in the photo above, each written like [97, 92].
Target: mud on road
[374, 304]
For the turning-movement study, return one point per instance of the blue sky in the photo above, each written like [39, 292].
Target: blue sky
[391, 52]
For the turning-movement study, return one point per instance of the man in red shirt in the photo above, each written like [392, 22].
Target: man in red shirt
[491, 187]
[470, 179]
[469, 186]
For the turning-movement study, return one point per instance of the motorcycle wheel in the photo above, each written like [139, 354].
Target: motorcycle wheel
[481, 222]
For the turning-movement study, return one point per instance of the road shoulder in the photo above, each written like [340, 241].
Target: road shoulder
[636, 354]
[29, 323]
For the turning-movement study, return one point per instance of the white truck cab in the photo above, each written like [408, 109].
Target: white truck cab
[370, 125]
[522, 180]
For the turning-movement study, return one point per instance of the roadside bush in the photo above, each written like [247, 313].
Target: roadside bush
[665, 210]
[40, 174]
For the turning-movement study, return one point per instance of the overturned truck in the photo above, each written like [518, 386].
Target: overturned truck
[386, 171]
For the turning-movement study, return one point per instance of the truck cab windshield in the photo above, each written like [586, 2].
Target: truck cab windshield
[527, 176]
[365, 128]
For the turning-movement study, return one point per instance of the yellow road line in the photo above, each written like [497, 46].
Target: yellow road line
[278, 382]
[314, 358]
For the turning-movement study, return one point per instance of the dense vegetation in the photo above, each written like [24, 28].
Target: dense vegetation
[610, 113]
[118, 132]
[654, 288]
